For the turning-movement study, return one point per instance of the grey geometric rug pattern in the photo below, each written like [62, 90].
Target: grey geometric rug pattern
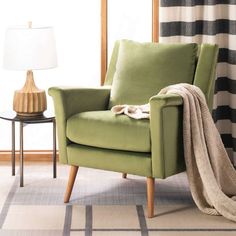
[102, 203]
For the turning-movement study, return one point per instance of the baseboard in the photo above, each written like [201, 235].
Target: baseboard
[29, 155]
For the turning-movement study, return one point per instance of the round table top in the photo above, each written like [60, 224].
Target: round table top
[47, 116]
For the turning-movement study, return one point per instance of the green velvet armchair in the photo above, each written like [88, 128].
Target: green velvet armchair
[90, 135]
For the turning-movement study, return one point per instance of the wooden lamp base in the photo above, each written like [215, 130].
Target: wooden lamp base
[29, 101]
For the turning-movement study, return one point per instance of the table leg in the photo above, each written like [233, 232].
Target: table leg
[21, 156]
[54, 150]
[13, 151]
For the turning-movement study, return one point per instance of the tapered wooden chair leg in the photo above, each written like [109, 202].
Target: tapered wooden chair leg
[124, 175]
[150, 196]
[70, 184]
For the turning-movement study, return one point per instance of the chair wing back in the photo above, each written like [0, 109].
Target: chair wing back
[205, 71]
[112, 66]
[204, 76]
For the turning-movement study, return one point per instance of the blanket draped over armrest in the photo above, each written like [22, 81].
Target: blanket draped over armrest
[211, 175]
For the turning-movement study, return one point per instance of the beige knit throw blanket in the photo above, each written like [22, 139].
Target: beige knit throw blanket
[211, 175]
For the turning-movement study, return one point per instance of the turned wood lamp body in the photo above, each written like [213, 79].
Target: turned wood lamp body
[29, 49]
[30, 100]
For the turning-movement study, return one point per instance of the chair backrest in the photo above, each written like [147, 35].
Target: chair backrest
[204, 76]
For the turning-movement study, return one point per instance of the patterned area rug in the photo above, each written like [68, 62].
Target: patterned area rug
[102, 204]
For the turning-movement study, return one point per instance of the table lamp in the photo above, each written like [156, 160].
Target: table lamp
[29, 48]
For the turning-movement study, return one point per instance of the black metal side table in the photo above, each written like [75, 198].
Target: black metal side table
[45, 118]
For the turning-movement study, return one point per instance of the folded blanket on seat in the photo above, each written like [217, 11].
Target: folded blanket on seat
[136, 112]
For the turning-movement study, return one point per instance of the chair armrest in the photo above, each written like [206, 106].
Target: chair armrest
[166, 100]
[166, 134]
[74, 100]
[69, 101]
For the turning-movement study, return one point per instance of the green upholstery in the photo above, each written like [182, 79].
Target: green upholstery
[205, 71]
[137, 163]
[143, 69]
[91, 136]
[166, 130]
[112, 66]
[105, 130]
[70, 101]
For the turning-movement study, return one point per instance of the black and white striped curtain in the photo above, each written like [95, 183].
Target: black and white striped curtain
[209, 21]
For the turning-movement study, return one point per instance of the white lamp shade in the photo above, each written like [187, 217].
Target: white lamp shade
[29, 49]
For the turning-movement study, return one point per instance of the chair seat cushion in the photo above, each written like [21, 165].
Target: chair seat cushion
[106, 130]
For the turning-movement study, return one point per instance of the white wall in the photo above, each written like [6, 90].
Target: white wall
[77, 31]
[130, 19]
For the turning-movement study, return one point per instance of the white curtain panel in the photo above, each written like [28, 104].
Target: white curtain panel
[209, 21]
